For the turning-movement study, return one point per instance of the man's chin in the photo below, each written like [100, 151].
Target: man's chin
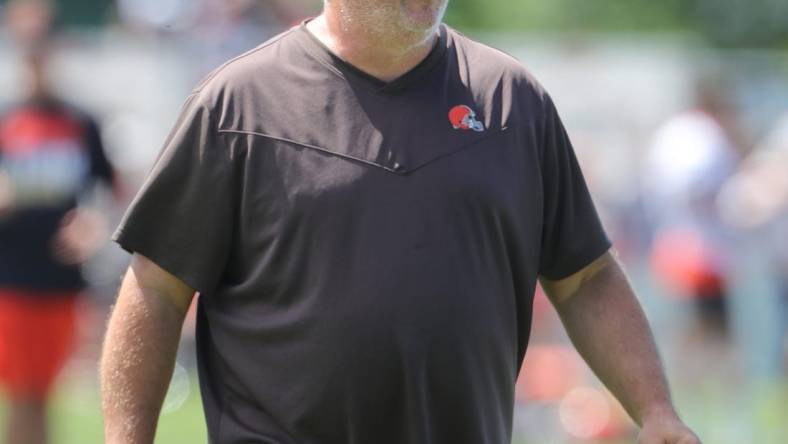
[424, 17]
[423, 23]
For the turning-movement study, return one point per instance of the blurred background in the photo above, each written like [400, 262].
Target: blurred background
[678, 110]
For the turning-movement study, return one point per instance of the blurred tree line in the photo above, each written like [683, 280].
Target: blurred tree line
[81, 12]
[731, 23]
[84, 12]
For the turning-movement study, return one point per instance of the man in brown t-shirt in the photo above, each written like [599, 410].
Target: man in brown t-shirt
[364, 204]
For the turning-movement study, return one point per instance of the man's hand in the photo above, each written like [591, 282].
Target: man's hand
[666, 428]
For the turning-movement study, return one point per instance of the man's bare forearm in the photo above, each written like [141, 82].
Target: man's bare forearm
[609, 329]
[137, 361]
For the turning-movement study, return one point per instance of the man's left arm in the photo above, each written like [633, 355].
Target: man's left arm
[607, 326]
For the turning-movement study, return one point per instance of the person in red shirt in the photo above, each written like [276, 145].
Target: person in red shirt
[50, 153]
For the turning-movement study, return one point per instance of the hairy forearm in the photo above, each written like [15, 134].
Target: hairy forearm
[137, 362]
[609, 329]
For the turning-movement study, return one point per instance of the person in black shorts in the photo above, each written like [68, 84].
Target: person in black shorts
[364, 204]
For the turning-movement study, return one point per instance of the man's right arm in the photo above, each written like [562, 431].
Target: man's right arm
[138, 355]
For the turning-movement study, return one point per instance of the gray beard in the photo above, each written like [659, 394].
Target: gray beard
[385, 22]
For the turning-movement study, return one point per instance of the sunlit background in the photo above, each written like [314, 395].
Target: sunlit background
[678, 110]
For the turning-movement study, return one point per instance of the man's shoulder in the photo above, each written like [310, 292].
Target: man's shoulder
[262, 61]
[491, 65]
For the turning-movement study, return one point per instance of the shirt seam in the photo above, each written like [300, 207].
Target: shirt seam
[307, 145]
[365, 161]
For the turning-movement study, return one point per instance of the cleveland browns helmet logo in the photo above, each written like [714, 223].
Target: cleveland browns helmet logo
[464, 118]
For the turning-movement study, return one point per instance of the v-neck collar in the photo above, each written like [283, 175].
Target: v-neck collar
[351, 73]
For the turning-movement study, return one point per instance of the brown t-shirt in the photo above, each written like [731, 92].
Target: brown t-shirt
[366, 252]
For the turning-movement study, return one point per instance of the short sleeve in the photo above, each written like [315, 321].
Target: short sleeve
[572, 234]
[182, 217]
[100, 167]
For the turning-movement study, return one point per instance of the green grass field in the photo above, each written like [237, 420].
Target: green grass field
[716, 416]
[75, 418]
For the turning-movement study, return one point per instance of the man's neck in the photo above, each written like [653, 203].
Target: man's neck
[374, 53]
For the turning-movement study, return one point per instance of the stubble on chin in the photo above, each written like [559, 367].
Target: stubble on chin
[387, 21]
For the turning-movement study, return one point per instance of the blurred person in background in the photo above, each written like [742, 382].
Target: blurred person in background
[691, 157]
[217, 29]
[225, 28]
[362, 276]
[755, 201]
[50, 153]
